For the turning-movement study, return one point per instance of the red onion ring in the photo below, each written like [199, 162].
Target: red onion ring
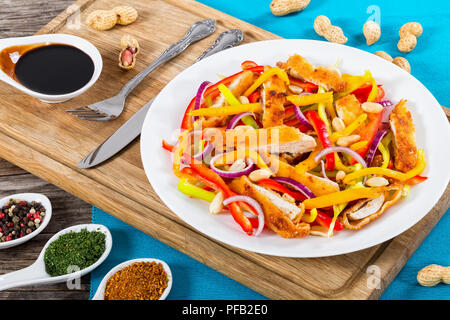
[235, 120]
[301, 117]
[322, 165]
[374, 145]
[255, 205]
[296, 185]
[350, 152]
[204, 153]
[198, 96]
[386, 112]
[231, 174]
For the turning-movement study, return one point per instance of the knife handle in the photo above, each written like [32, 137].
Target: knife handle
[196, 32]
[226, 40]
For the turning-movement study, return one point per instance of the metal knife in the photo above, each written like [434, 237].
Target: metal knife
[131, 129]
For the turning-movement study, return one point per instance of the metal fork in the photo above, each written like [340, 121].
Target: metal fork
[111, 108]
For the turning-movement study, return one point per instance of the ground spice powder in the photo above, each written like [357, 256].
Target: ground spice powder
[138, 281]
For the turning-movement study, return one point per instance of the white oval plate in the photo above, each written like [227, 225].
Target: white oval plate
[432, 129]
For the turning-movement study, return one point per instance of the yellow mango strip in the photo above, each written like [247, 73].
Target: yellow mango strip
[359, 145]
[421, 164]
[265, 76]
[311, 217]
[241, 154]
[350, 128]
[342, 197]
[306, 100]
[228, 110]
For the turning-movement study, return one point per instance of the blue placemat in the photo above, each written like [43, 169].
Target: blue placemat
[429, 63]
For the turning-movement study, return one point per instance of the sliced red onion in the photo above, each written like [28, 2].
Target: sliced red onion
[235, 120]
[322, 165]
[198, 97]
[386, 112]
[231, 174]
[301, 117]
[206, 151]
[386, 103]
[296, 185]
[374, 145]
[255, 205]
[352, 153]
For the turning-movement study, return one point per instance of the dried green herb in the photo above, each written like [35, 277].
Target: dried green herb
[74, 250]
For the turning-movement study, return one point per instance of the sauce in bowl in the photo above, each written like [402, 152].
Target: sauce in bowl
[52, 69]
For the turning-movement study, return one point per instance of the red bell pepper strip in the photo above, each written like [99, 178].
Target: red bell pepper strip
[167, 146]
[322, 133]
[187, 123]
[362, 93]
[247, 64]
[369, 132]
[325, 220]
[274, 185]
[306, 86]
[214, 178]
[416, 180]
[254, 97]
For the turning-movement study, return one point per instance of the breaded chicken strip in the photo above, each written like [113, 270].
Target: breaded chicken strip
[273, 98]
[405, 149]
[280, 215]
[348, 108]
[298, 67]
[237, 87]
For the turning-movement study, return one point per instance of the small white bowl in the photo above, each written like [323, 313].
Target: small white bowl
[29, 197]
[68, 39]
[99, 295]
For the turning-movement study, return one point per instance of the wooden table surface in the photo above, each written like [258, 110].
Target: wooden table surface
[24, 18]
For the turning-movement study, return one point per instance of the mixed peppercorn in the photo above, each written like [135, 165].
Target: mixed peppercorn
[19, 218]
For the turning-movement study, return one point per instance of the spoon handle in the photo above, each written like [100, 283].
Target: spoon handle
[27, 276]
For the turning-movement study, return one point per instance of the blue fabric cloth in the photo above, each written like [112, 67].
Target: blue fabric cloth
[429, 63]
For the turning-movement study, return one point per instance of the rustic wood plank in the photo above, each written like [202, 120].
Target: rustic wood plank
[67, 209]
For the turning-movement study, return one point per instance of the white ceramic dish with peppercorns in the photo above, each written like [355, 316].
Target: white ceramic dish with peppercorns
[44, 220]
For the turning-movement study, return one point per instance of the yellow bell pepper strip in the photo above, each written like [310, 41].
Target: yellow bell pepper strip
[306, 100]
[228, 110]
[241, 154]
[385, 154]
[340, 166]
[233, 101]
[421, 164]
[359, 145]
[405, 191]
[350, 128]
[321, 110]
[374, 92]
[332, 199]
[309, 163]
[178, 152]
[311, 217]
[265, 76]
[193, 191]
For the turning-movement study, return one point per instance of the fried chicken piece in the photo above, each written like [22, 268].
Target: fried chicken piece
[298, 67]
[273, 98]
[237, 87]
[281, 216]
[348, 108]
[405, 150]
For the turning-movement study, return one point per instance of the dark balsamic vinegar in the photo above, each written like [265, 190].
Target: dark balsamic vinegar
[54, 69]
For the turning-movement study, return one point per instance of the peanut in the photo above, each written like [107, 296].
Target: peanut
[409, 33]
[413, 28]
[319, 231]
[338, 124]
[259, 174]
[372, 107]
[407, 43]
[372, 32]
[432, 275]
[383, 55]
[340, 175]
[402, 63]
[377, 182]
[295, 89]
[347, 140]
[244, 100]
[125, 14]
[324, 28]
[130, 49]
[217, 204]
[101, 19]
[284, 7]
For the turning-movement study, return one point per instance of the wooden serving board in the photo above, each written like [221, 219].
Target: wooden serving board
[46, 141]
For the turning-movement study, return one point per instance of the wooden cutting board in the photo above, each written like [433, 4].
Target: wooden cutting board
[44, 140]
